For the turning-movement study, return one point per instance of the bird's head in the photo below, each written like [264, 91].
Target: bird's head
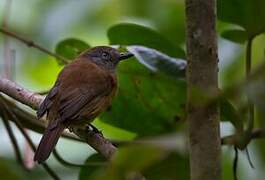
[105, 57]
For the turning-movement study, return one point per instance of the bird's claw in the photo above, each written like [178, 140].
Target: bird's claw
[94, 129]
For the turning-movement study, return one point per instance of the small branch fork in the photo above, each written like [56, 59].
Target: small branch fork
[10, 115]
[33, 100]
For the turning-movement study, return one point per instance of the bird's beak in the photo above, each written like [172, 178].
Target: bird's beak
[125, 55]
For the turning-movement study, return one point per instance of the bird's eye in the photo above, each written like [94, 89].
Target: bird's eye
[105, 56]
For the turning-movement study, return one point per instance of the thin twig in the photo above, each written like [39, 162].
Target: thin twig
[32, 44]
[69, 164]
[235, 163]
[25, 114]
[28, 139]
[12, 137]
[64, 162]
[249, 159]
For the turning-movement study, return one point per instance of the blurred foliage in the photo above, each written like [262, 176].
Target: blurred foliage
[141, 93]
[168, 169]
[260, 116]
[154, 163]
[151, 98]
[248, 14]
[235, 35]
[8, 171]
[227, 164]
[132, 34]
[229, 113]
[256, 93]
[86, 172]
[70, 48]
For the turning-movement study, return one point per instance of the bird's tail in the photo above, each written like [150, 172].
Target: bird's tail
[48, 141]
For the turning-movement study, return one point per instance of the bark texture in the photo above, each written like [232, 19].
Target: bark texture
[202, 78]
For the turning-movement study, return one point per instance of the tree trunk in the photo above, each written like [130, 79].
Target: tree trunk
[202, 76]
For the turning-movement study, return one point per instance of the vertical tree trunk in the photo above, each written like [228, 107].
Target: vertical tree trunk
[202, 76]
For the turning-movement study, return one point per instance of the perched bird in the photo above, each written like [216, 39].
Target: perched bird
[83, 89]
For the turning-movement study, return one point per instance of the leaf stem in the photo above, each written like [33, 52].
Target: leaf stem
[250, 124]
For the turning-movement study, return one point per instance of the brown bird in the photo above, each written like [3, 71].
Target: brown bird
[83, 89]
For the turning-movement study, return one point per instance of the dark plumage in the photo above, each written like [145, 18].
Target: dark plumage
[83, 89]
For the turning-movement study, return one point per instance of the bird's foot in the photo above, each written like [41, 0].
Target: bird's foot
[94, 129]
[71, 129]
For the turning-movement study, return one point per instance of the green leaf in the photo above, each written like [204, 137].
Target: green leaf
[149, 97]
[136, 157]
[227, 164]
[159, 62]
[10, 170]
[174, 166]
[70, 48]
[113, 132]
[229, 113]
[248, 14]
[36, 72]
[130, 161]
[86, 172]
[7, 173]
[132, 34]
[235, 35]
[148, 103]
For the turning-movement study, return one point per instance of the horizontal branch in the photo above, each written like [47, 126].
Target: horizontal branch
[20, 94]
[28, 120]
[33, 100]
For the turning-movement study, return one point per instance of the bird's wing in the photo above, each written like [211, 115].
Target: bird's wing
[48, 101]
[92, 87]
[74, 101]
[77, 86]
